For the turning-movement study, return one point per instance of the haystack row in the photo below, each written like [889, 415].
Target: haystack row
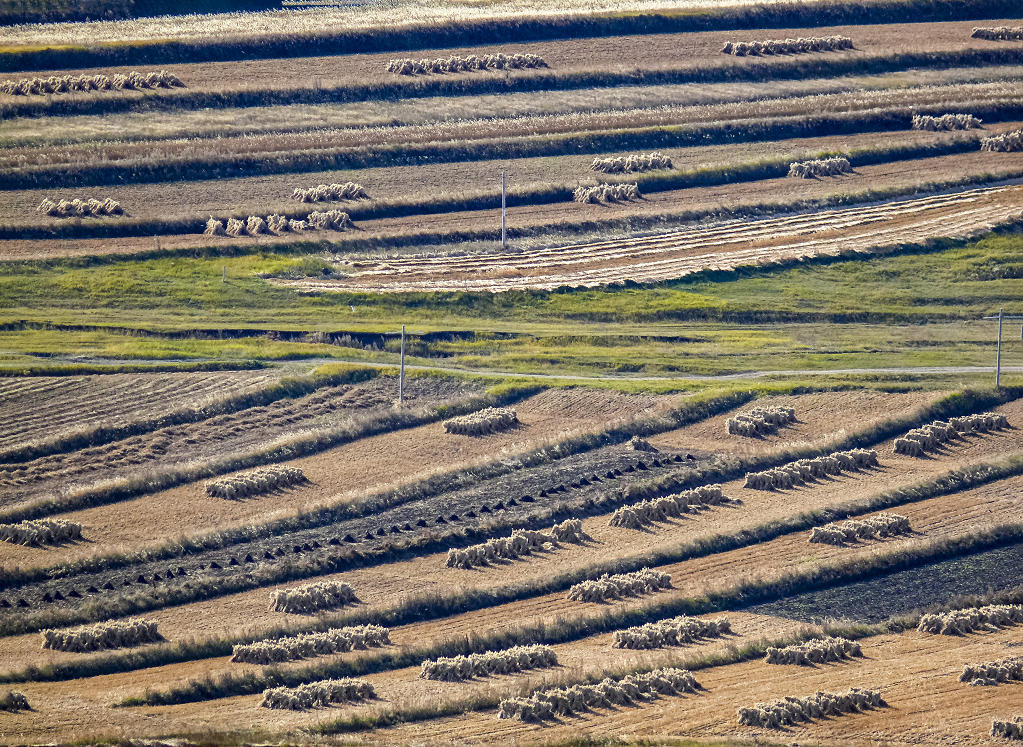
[314, 694]
[802, 45]
[760, 421]
[522, 542]
[631, 164]
[517, 659]
[41, 532]
[322, 595]
[927, 437]
[873, 527]
[456, 64]
[78, 208]
[566, 701]
[991, 673]
[84, 83]
[675, 631]
[482, 422]
[606, 193]
[256, 482]
[1004, 143]
[276, 224]
[945, 122]
[814, 651]
[804, 470]
[648, 511]
[791, 711]
[620, 585]
[820, 167]
[309, 645]
[963, 621]
[998, 33]
[101, 636]
[1008, 729]
[328, 192]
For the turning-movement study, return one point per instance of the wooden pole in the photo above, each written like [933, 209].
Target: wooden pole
[504, 210]
[401, 376]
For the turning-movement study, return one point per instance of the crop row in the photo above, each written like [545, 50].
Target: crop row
[314, 694]
[308, 645]
[482, 422]
[804, 470]
[470, 63]
[521, 542]
[101, 636]
[83, 83]
[41, 532]
[606, 193]
[963, 621]
[516, 659]
[78, 208]
[643, 581]
[801, 45]
[873, 527]
[256, 482]
[791, 711]
[928, 437]
[277, 224]
[674, 631]
[642, 513]
[329, 192]
[759, 421]
[309, 598]
[992, 673]
[819, 167]
[547, 704]
[814, 651]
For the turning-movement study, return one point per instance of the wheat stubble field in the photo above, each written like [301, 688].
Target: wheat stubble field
[294, 451]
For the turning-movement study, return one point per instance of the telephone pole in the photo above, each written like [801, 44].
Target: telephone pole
[998, 355]
[504, 210]
[401, 375]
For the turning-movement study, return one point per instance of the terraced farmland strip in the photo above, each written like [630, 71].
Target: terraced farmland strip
[673, 255]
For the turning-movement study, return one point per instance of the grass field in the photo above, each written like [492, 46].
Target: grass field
[211, 430]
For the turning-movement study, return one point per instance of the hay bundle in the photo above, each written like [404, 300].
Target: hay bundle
[101, 636]
[522, 542]
[632, 164]
[214, 227]
[235, 227]
[315, 694]
[992, 673]
[603, 193]
[920, 440]
[516, 659]
[255, 225]
[327, 192]
[41, 532]
[1008, 729]
[820, 167]
[760, 421]
[998, 33]
[674, 631]
[308, 645]
[791, 710]
[963, 621]
[256, 482]
[814, 651]
[547, 704]
[945, 122]
[331, 219]
[14, 701]
[482, 422]
[1004, 143]
[322, 595]
[802, 45]
[873, 527]
[643, 581]
[276, 224]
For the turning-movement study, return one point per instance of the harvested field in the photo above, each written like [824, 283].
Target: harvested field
[44, 411]
[386, 584]
[673, 255]
[377, 463]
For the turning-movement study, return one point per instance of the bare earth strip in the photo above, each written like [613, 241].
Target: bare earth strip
[678, 253]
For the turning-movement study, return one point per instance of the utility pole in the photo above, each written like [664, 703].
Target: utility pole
[998, 355]
[401, 375]
[504, 210]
